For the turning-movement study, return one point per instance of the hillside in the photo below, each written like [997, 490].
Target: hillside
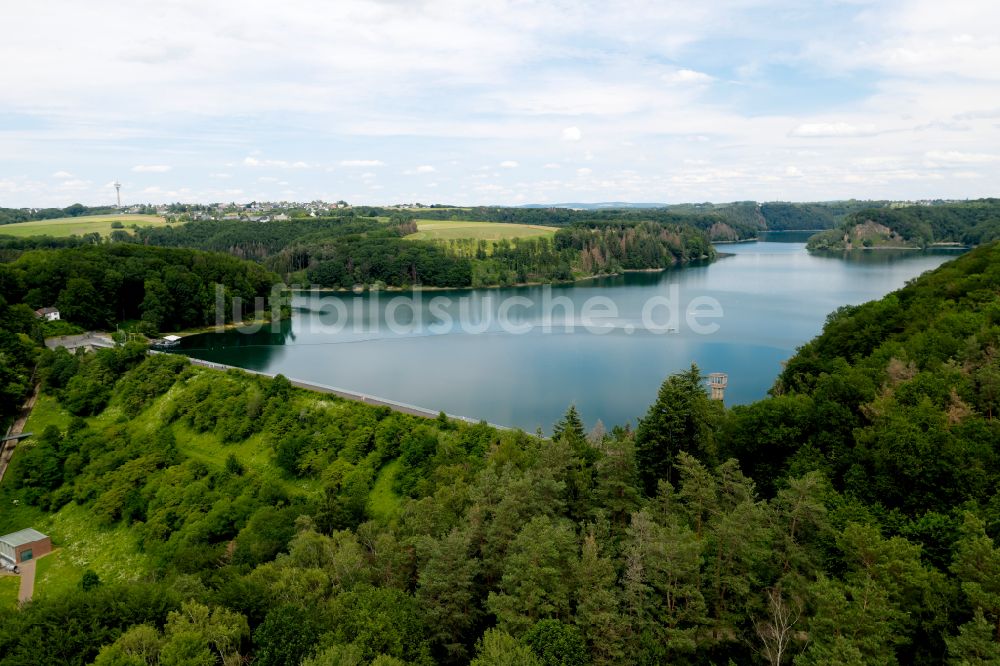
[103, 225]
[916, 226]
[385, 248]
[850, 518]
[18, 215]
[103, 286]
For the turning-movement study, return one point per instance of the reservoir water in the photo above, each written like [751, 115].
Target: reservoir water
[521, 356]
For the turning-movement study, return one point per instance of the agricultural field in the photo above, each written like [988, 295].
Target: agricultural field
[439, 230]
[78, 226]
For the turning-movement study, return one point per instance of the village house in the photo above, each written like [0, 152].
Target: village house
[48, 314]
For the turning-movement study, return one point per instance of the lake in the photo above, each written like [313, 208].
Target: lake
[520, 356]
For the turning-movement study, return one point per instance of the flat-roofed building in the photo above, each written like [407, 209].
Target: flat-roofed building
[24, 545]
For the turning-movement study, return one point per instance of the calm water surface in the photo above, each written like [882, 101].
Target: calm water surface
[774, 297]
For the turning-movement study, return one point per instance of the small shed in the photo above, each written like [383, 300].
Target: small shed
[24, 545]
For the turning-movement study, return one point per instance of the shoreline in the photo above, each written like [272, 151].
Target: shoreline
[755, 239]
[886, 248]
[342, 290]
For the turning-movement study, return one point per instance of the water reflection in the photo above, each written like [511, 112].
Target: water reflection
[774, 295]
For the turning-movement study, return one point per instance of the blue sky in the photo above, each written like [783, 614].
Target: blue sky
[504, 102]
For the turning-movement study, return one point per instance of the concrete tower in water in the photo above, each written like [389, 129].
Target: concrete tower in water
[717, 382]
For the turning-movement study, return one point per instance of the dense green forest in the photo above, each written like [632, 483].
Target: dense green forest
[20, 336]
[573, 252]
[735, 221]
[783, 215]
[968, 223]
[99, 286]
[744, 218]
[850, 518]
[352, 249]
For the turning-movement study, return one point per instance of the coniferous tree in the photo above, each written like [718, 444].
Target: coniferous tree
[570, 427]
[597, 605]
[682, 419]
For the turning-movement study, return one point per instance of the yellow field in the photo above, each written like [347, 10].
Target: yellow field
[489, 231]
[86, 224]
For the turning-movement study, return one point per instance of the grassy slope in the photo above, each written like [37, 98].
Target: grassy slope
[68, 226]
[9, 586]
[80, 545]
[113, 553]
[253, 453]
[382, 501]
[489, 231]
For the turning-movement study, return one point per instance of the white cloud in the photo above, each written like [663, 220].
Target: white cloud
[833, 130]
[572, 134]
[584, 171]
[508, 164]
[281, 164]
[687, 77]
[62, 174]
[424, 83]
[151, 168]
[946, 157]
[425, 168]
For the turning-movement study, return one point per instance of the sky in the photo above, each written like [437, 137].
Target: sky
[498, 101]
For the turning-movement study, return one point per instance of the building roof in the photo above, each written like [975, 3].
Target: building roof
[22, 537]
[45, 311]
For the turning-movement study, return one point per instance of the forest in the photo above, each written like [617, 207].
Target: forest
[97, 286]
[100, 286]
[849, 518]
[744, 218]
[572, 253]
[782, 215]
[353, 248]
[967, 223]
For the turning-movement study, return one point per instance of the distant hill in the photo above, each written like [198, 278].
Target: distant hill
[598, 205]
[770, 216]
[915, 225]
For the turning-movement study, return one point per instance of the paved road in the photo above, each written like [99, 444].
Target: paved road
[89, 340]
[27, 581]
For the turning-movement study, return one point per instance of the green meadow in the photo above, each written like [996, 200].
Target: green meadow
[78, 226]
[439, 230]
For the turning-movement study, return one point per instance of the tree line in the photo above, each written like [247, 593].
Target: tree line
[15, 215]
[969, 223]
[357, 248]
[97, 286]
